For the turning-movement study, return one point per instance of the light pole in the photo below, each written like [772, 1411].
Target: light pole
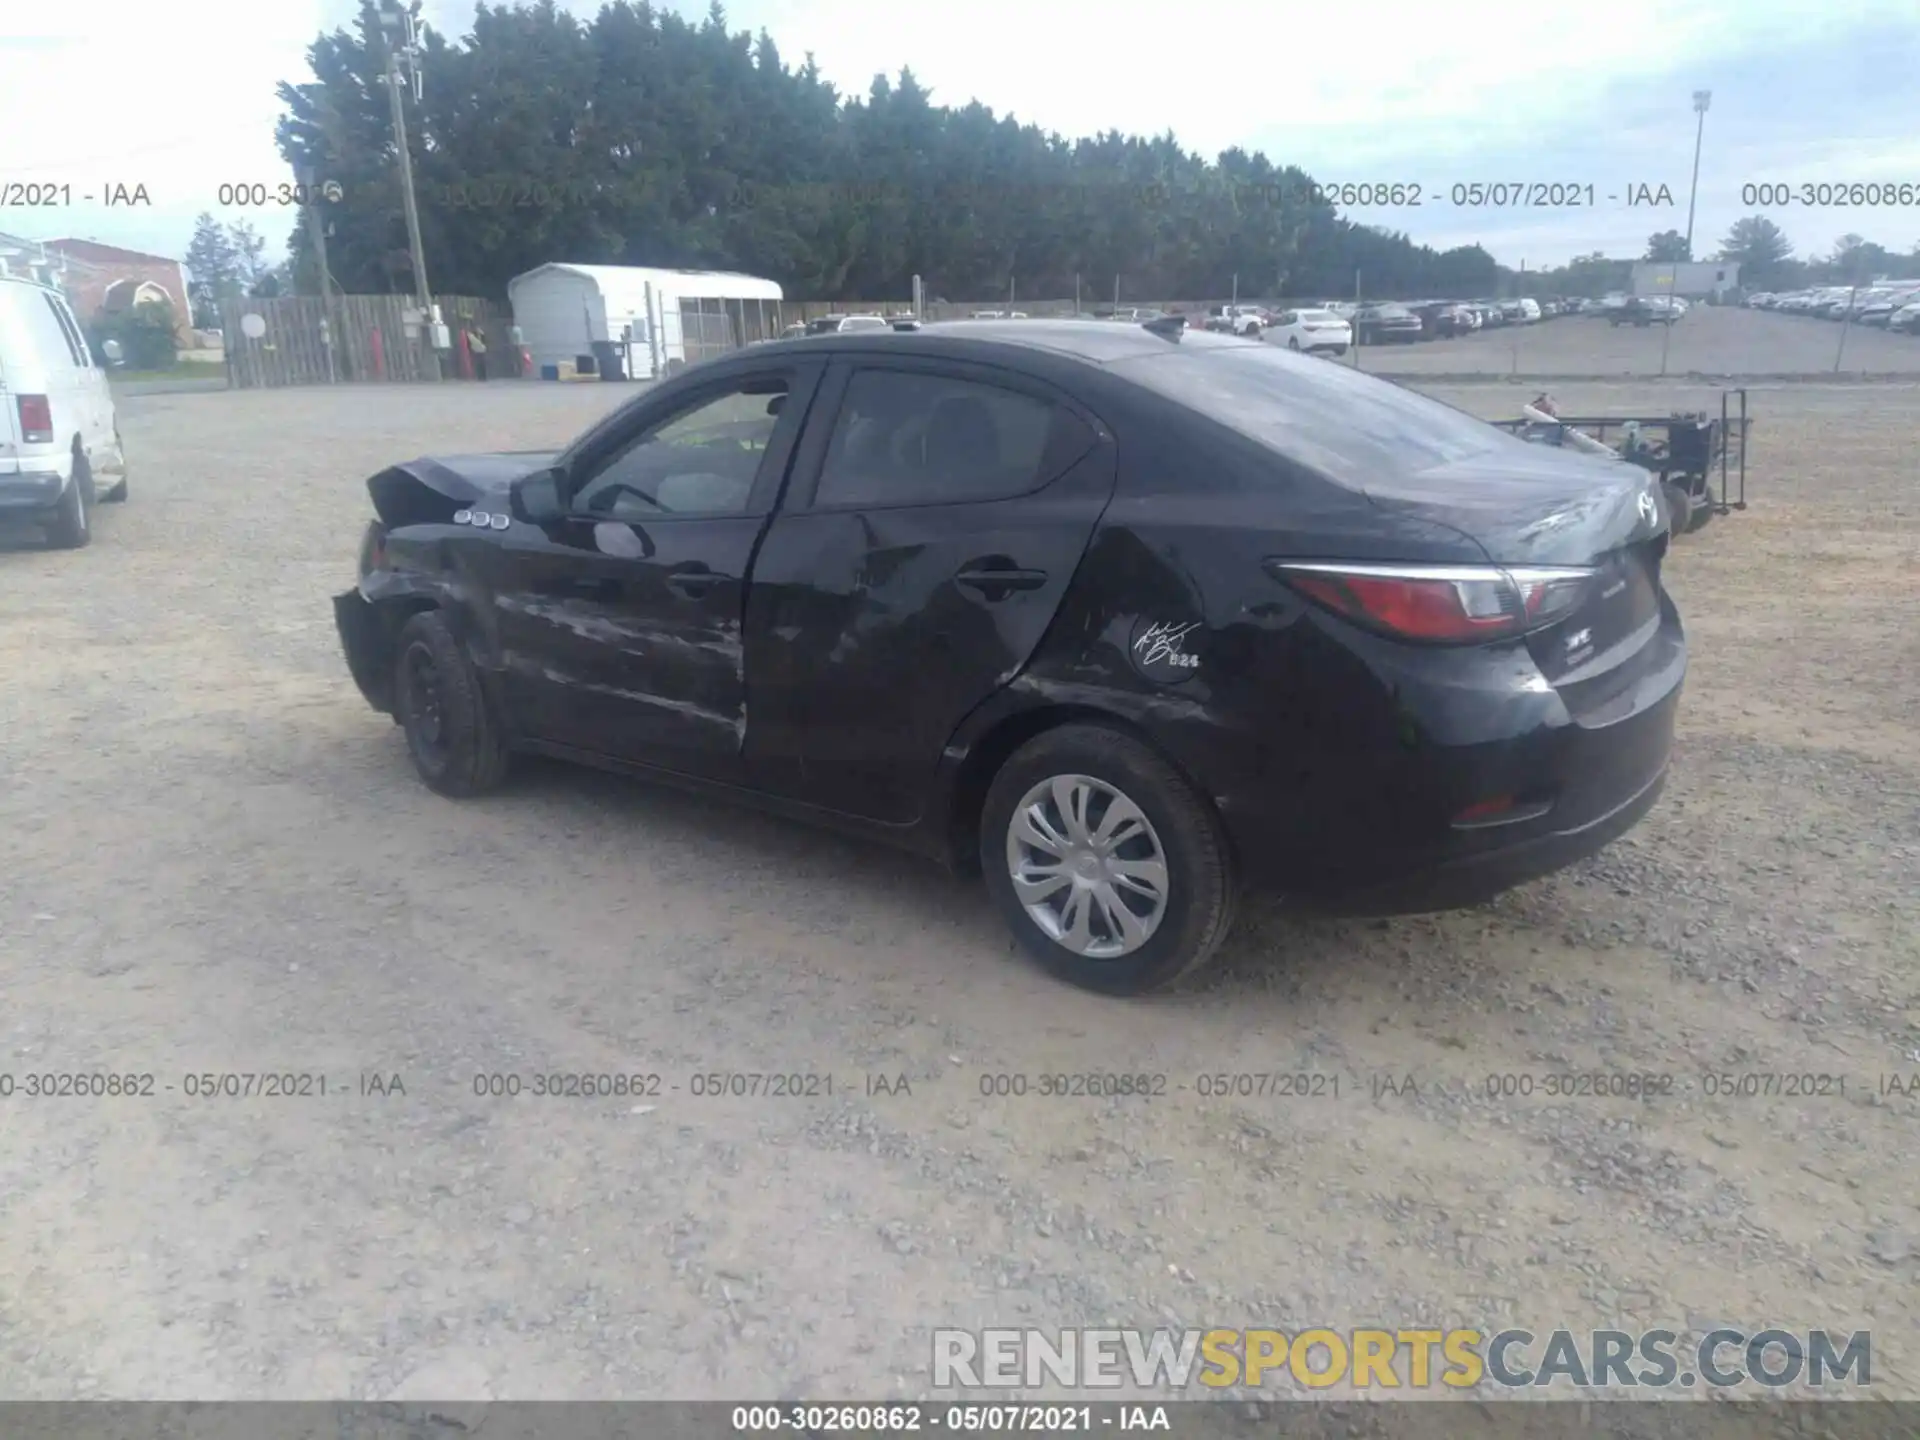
[1701, 99]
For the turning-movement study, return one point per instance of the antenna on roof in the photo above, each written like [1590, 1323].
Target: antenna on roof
[1168, 327]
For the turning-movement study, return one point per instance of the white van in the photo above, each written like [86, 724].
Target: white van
[1530, 310]
[60, 448]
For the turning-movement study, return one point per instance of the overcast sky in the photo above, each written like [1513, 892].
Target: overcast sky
[1804, 91]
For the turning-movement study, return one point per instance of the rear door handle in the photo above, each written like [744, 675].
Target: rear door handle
[694, 581]
[998, 584]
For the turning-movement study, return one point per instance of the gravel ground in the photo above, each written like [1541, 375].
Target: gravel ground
[1713, 340]
[216, 858]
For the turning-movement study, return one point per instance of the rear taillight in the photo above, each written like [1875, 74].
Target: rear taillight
[1441, 604]
[36, 420]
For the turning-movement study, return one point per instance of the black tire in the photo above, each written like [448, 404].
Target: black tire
[452, 733]
[1701, 515]
[1200, 890]
[1293, 342]
[72, 525]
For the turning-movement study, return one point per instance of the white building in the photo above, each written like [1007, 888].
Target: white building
[659, 317]
[1689, 279]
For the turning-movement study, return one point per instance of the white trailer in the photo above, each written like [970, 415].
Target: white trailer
[564, 311]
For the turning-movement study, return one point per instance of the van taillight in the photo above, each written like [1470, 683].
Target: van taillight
[36, 420]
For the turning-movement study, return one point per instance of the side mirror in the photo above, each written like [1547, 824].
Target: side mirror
[111, 349]
[536, 498]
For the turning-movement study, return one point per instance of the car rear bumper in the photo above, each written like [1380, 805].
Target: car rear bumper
[31, 491]
[1476, 878]
[1426, 780]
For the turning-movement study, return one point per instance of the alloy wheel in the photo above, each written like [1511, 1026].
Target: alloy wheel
[1087, 866]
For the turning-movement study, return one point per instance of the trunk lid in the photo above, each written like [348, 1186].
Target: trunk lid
[1539, 505]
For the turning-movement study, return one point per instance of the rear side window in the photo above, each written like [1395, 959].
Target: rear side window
[907, 437]
[79, 336]
[1326, 416]
[47, 338]
[76, 347]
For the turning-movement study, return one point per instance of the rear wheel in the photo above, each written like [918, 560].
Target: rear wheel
[72, 525]
[1109, 867]
[1293, 342]
[452, 732]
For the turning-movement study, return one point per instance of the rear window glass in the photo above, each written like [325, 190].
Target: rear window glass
[1323, 415]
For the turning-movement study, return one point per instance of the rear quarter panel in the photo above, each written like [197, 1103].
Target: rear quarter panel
[1276, 697]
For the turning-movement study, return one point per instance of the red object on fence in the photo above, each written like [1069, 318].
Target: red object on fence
[379, 356]
[526, 360]
[466, 356]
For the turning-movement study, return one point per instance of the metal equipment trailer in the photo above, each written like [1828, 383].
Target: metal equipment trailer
[1684, 450]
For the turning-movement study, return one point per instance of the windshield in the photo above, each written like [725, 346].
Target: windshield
[1323, 415]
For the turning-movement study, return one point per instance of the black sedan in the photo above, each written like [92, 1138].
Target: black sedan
[1386, 324]
[1128, 616]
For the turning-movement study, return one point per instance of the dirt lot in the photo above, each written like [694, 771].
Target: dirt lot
[1709, 340]
[216, 859]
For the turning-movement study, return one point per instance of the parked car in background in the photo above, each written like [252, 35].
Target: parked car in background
[1760, 300]
[1385, 323]
[1311, 331]
[1529, 310]
[1443, 319]
[1905, 320]
[1642, 311]
[1880, 309]
[1235, 320]
[1513, 312]
[1614, 301]
[1129, 620]
[1492, 316]
[60, 450]
[846, 324]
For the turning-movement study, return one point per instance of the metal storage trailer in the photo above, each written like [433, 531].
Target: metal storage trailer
[563, 310]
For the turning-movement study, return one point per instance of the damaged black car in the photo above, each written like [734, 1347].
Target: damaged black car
[1126, 617]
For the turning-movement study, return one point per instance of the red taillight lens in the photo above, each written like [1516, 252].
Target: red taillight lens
[36, 419]
[1441, 604]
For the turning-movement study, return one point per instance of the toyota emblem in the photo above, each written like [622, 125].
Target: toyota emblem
[1649, 508]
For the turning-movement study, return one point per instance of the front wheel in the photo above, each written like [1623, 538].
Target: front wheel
[452, 732]
[1109, 867]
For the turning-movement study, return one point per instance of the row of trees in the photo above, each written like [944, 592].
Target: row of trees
[223, 258]
[640, 137]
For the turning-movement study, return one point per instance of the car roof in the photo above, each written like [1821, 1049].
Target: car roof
[1095, 342]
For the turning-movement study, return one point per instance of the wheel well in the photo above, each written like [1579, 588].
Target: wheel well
[393, 614]
[983, 762]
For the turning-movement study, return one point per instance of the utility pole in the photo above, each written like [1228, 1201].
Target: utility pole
[1701, 99]
[398, 24]
[317, 227]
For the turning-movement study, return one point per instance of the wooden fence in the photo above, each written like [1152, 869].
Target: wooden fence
[358, 339]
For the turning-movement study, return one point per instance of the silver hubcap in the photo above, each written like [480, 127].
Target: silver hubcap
[1087, 866]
